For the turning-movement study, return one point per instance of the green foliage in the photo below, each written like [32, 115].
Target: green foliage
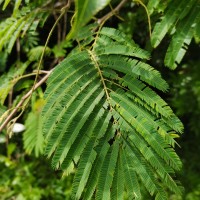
[103, 111]
[6, 2]
[59, 50]
[85, 10]
[152, 5]
[35, 53]
[18, 24]
[103, 119]
[2, 109]
[185, 93]
[4, 57]
[33, 137]
[8, 80]
[28, 180]
[180, 19]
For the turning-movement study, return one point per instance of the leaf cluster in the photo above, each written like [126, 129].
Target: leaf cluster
[100, 115]
[181, 20]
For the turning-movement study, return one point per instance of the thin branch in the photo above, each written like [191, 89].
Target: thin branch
[30, 74]
[102, 20]
[64, 32]
[26, 96]
[58, 29]
[36, 85]
[63, 11]
[147, 12]
[102, 78]
[113, 12]
[18, 49]
[41, 71]
[112, 82]
[116, 14]
[10, 96]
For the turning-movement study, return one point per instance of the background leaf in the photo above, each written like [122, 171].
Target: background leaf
[84, 11]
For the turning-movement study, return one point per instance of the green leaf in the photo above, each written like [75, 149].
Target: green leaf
[83, 172]
[7, 81]
[33, 137]
[117, 190]
[152, 4]
[181, 20]
[102, 114]
[35, 53]
[17, 25]
[11, 148]
[2, 109]
[84, 11]
[17, 5]
[197, 32]
[6, 2]
[132, 184]
[107, 173]
[175, 11]
[182, 38]
[3, 60]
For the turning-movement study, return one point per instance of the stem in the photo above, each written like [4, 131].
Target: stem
[31, 74]
[18, 49]
[113, 12]
[102, 20]
[64, 27]
[63, 11]
[112, 82]
[101, 76]
[47, 41]
[148, 16]
[58, 29]
[36, 85]
[10, 95]
[27, 95]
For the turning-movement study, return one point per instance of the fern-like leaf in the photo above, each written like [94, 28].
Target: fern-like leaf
[102, 115]
[180, 20]
[7, 81]
[17, 25]
[182, 38]
[152, 5]
[33, 137]
[117, 190]
[85, 10]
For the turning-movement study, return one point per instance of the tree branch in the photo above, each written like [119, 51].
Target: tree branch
[36, 85]
[112, 12]
[26, 96]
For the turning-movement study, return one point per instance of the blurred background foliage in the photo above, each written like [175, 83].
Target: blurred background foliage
[24, 176]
